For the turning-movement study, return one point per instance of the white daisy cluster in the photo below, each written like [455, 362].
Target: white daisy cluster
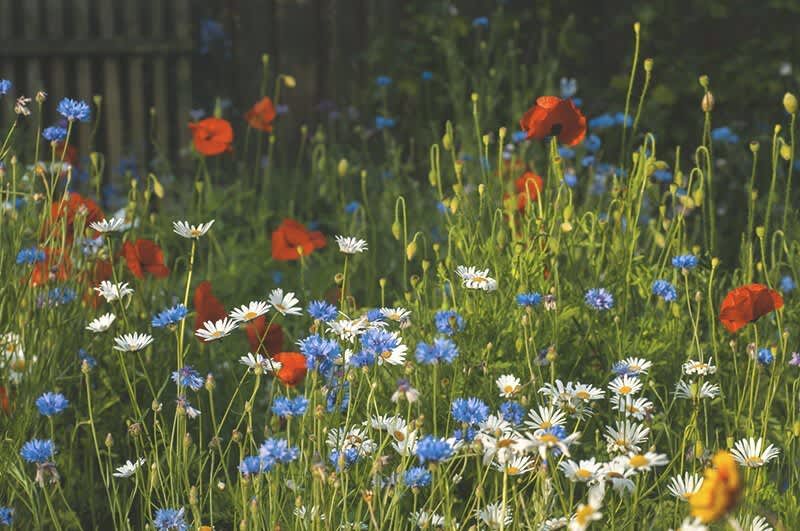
[696, 388]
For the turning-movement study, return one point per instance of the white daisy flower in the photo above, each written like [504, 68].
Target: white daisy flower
[634, 366]
[390, 423]
[508, 384]
[132, 342]
[758, 523]
[586, 513]
[625, 437]
[111, 292]
[257, 362]
[350, 245]
[517, 465]
[13, 356]
[102, 323]
[751, 452]
[495, 425]
[405, 391]
[691, 524]
[398, 314]
[638, 408]
[544, 440]
[108, 225]
[348, 330]
[625, 385]
[405, 441]
[426, 520]
[646, 461]
[248, 312]
[395, 356]
[618, 474]
[284, 304]
[475, 278]
[184, 229]
[699, 367]
[684, 486]
[545, 417]
[128, 469]
[585, 392]
[553, 524]
[342, 438]
[584, 471]
[493, 516]
[216, 329]
[695, 391]
[503, 447]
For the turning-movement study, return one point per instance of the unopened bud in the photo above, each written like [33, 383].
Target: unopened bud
[648, 65]
[790, 103]
[708, 102]
[341, 168]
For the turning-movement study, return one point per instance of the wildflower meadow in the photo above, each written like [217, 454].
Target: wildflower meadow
[527, 313]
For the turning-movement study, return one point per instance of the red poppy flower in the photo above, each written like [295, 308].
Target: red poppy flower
[56, 267]
[529, 185]
[293, 367]
[145, 256]
[552, 116]
[292, 236]
[261, 115]
[212, 136]
[746, 304]
[66, 211]
[262, 340]
[207, 306]
[5, 404]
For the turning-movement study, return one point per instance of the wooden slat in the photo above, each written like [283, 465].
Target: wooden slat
[160, 79]
[112, 99]
[33, 67]
[57, 68]
[183, 71]
[109, 45]
[137, 134]
[83, 67]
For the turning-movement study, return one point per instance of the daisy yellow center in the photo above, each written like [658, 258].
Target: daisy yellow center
[249, 315]
[399, 436]
[280, 307]
[754, 460]
[18, 365]
[632, 409]
[634, 368]
[216, 333]
[582, 473]
[621, 442]
[583, 514]
[479, 279]
[625, 389]
[614, 475]
[548, 438]
[10, 347]
[386, 354]
[512, 470]
[509, 389]
[504, 443]
[638, 461]
[583, 395]
[545, 424]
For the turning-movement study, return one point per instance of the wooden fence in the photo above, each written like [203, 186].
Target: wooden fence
[135, 53]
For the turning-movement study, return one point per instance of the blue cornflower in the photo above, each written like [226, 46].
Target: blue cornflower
[378, 342]
[663, 176]
[724, 134]
[284, 406]
[74, 110]
[374, 315]
[84, 356]
[529, 300]
[278, 451]
[442, 349]
[348, 457]
[512, 412]
[788, 284]
[570, 178]
[427, 75]
[519, 136]
[322, 311]
[568, 86]
[480, 22]
[38, 451]
[599, 299]
[170, 316]
[252, 465]
[30, 255]
[351, 207]
[765, 356]
[467, 435]
[332, 397]
[592, 143]
[383, 81]
[50, 404]
[188, 377]
[54, 133]
[449, 322]
[469, 410]
[665, 290]
[5, 86]
[603, 121]
[433, 449]
[170, 520]
[417, 477]
[6, 516]
[622, 118]
[362, 358]
[60, 296]
[587, 161]
[320, 353]
[382, 122]
[566, 153]
[685, 261]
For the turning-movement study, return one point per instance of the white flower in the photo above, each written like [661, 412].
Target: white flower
[691, 524]
[390, 423]
[108, 225]
[182, 228]
[102, 323]
[546, 439]
[400, 315]
[248, 312]
[350, 245]
[508, 384]
[634, 366]
[342, 438]
[284, 304]
[646, 460]
[625, 385]
[216, 330]
[395, 356]
[13, 356]
[128, 469]
[405, 391]
[552, 524]
[626, 437]
[584, 471]
[694, 391]
[405, 441]
[758, 523]
[426, 520]
[132, 342]
[258, 362]
[587, 513]
[699, 367]
[751, 452]
[517, 465]
[475, 278]
[545, 417]
[684, 486]
[348, 330]
[586, 392]
[637, 408]
[111, 292]
[495, 425]
[618, 473]
[502, 447]
[493, 515]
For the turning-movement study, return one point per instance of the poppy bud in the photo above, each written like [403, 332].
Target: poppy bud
[790, 103]
[109, 441]
[502, 133]
[786, 152]
[382, 282]
[289, 81]
[704, 81]
[648, 64]
[432, 178]
[637, 26]
[754, 145]
[707, 104]
[481, 189]
[42, 95]
[796, 429]
[411, 250]
[265, 59]
[474, 97]
[447, 142]
[341, 168]
[396, 228]
[486, 140]
[760, 231]
[714, 262]
[97, 99]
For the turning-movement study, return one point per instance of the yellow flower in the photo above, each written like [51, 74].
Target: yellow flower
[721, 489]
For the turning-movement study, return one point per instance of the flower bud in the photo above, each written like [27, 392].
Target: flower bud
[289, 81]
[703, 81]
[754, 145]
[648, 64]
[109, 441]
[474, 97]
[707, 104]
[341, 168]
[790, 103]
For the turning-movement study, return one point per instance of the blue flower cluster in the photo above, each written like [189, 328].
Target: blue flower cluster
[30, 255]
[529, 300]
[448, 322]
[289, 407]
[470, 411]
[417, 477]
[170, 520]
[685, 261]
[50, 404]
[74, 110]
[441, 350]
[665, 290]
[188, 377]
[272, 452]
[599, 299]
[433, 449]
[38, 451]
[170, 316]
